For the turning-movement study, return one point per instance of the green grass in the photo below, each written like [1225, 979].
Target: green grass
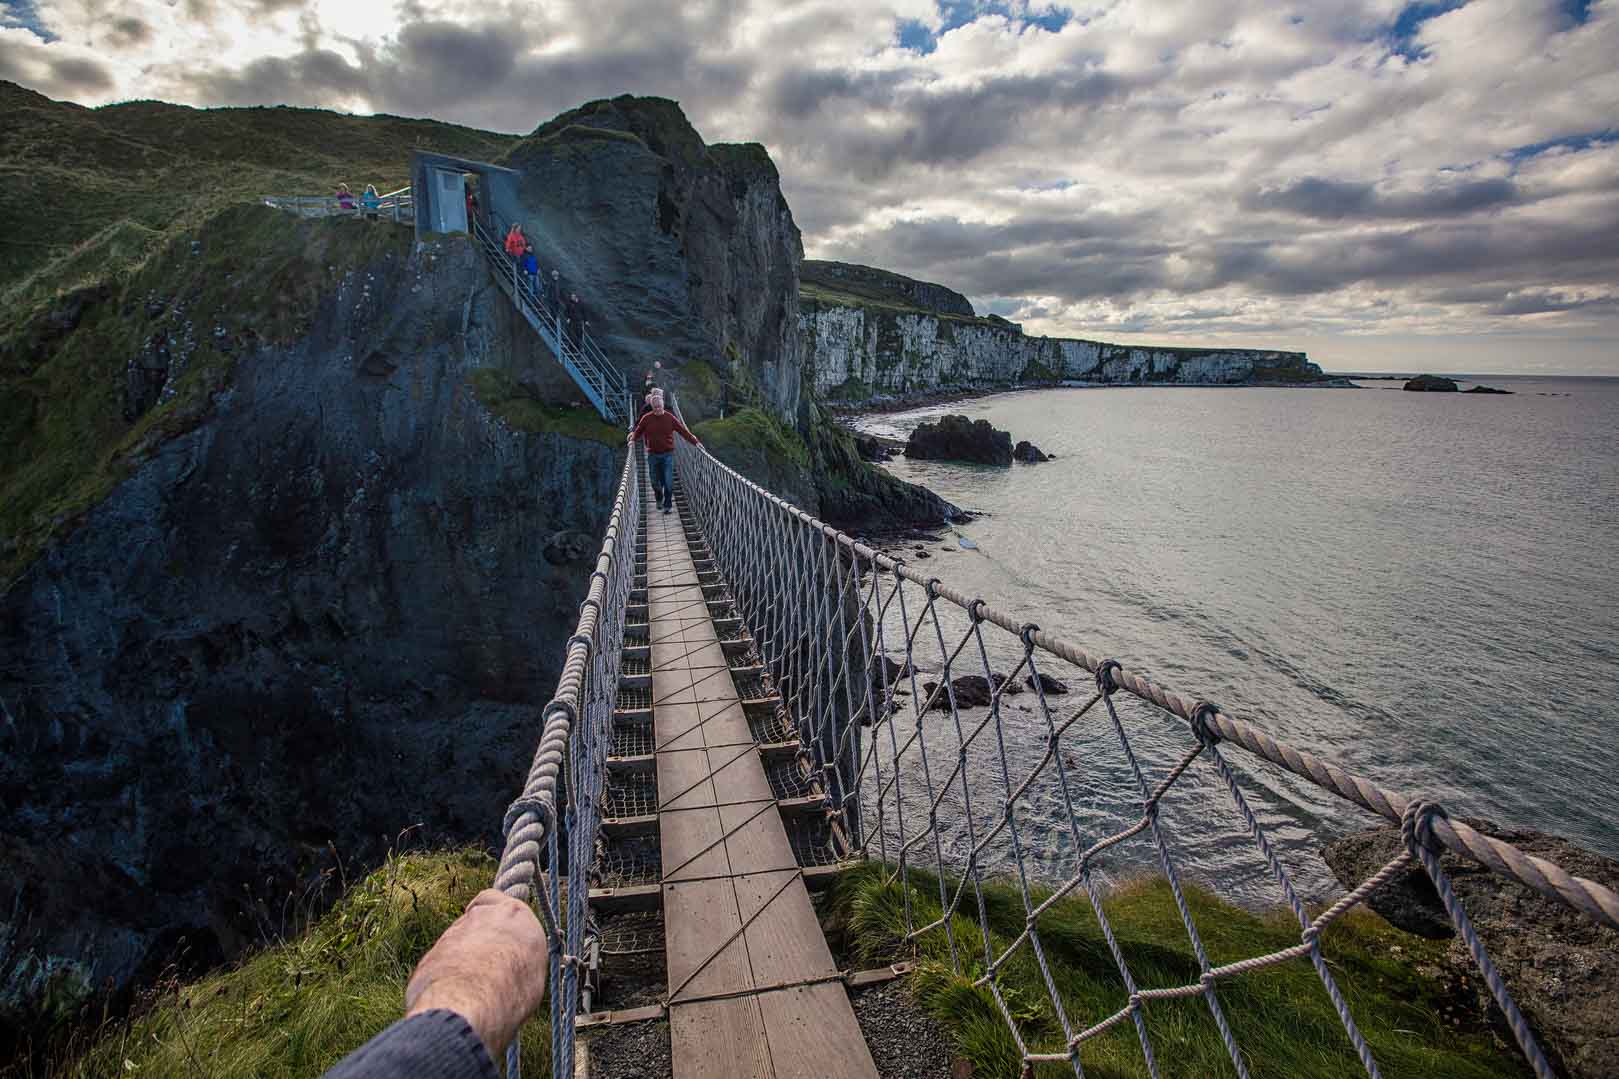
[1281, 1016]
[754, 429]
[299, 1007]
[71, 173]
[256, 273]
[518, 406]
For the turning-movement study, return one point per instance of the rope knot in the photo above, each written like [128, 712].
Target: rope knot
[1416, 824]
[1201, 720]
[1207, 980]
[538, 804]
[932, 587]
[975, 610]
[1105, 685]
[1027, 634]
[1135, 1002]
[1311, 934]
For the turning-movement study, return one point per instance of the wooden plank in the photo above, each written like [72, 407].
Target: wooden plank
[682, 834]
[813, 1033]
[755, 841]
[720, 1038]
[785, 942]
[701, 942]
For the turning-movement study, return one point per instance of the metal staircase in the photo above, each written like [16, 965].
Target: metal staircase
[602, 383]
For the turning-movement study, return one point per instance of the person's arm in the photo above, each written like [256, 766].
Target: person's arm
[466, 1000]
[635, 432]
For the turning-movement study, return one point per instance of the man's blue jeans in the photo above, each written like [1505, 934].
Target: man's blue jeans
[662, 467]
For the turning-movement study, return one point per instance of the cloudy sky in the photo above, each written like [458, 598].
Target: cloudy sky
[1388, 185]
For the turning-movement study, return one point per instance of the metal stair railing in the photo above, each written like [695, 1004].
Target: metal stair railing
[590, 369]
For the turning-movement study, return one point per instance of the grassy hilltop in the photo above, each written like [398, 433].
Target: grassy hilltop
[88, 193]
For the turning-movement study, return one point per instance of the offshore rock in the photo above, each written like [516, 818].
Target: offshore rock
[1431, 384]
[1486, 389]
[1560, 966]
[1028, 452]
[956, 438]
[1047, 683]
[319, 617]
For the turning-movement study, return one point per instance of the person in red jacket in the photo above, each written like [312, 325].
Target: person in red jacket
[658, 427]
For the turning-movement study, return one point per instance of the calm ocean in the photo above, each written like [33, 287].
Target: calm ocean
[1421, 587]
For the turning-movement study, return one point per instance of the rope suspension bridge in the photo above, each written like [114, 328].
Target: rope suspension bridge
[742, 713]
[772, 636]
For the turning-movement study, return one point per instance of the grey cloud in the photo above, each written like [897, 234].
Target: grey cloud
[1534, 302]
[80, 76]
[1331, 200]
[307, 78]
[128, 32]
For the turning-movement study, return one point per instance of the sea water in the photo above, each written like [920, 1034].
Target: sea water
[1421, 587]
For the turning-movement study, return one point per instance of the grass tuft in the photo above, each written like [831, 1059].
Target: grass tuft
[522, 410]
[1281, 1016]
[299, 1007]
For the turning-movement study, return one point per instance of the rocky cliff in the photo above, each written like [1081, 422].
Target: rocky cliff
[865, 344]
[686, 254]
[325, 611]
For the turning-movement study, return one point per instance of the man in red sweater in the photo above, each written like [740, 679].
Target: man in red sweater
[658, 427]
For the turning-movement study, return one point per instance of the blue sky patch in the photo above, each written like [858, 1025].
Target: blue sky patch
[1584, 141]
[1402, 32]
[921, 38]
[23, 13]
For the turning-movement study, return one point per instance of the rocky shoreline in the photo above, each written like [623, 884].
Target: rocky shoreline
[889, 404]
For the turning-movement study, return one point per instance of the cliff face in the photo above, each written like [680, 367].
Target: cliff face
[326, 612]
[863, 347]
[681, 252]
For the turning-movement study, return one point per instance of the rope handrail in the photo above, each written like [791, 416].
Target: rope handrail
[826, 611]
[563, 790]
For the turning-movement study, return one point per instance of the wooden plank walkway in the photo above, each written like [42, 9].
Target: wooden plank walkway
[754, 989]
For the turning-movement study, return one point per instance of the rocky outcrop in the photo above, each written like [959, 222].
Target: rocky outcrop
[883, 286]
[327, 612]
[1561, 967]
[859, 350]
[1028, 453]
[956, 438]
[686, 253]
[1431, 384]
[1486, 389]
[681, 252]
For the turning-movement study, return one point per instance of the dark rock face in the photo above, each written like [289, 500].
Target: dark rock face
[1561, 968]
[329, 612]
[1487, 389]
[1028, 452]
[872, 449]
[956, 438]
[683, 253]
[971, 691]
[1431, 384]
[1046, 682]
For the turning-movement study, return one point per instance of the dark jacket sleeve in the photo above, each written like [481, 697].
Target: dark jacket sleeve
[436, 1044]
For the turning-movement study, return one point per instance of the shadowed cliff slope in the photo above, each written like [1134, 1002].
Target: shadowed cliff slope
[322, 605]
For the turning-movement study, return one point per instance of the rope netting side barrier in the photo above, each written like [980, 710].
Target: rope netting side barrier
[897, 687]
[562, 799]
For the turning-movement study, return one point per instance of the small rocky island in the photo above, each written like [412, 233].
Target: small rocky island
[1440, 384]
[957, 438]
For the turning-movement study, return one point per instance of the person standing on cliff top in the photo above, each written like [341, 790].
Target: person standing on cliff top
[659, 427]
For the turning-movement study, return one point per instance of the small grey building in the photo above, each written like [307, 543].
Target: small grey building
[439, 185]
